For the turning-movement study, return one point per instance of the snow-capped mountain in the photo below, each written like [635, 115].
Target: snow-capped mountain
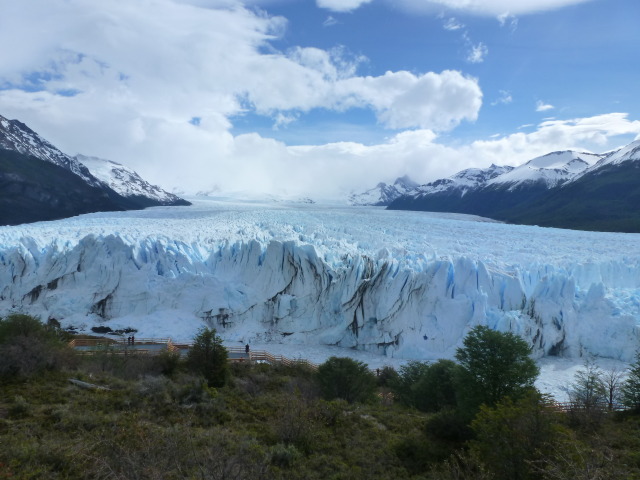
[383, 194]
[463, 181]
[549, 170]
[16, 136]
[566, 189]
[39, 182]
[630, 153]
[408, 287]
[127, 182]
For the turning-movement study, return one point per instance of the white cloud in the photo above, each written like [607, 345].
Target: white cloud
[404, 100]
[543, 107]
[478, 53]
[452, 25]
[329, 22]
[341, 5]
[159, 58]
[579, 133]
[486, 7]
[142, 70]
[508, 20]
[505, 98]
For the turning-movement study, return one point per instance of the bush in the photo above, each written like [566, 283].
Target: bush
[510, 437]
[427, 387]
[345, 378]
[387, 376]
[28, 347]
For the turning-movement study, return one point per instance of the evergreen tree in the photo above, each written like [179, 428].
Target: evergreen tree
[209, 358]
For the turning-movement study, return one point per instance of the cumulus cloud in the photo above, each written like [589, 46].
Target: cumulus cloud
[157, 85]
[177, 61]
[341, 5]
[543, 107]
[405, 100]
[553, 135]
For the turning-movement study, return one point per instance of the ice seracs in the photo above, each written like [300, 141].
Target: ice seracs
[401, 284]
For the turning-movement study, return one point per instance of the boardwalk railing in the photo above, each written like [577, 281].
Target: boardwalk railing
[102, 341]
[92, 346]
[580, 406]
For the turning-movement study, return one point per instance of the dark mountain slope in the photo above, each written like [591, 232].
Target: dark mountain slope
[607, 199]
[34, 190]
[495, 201]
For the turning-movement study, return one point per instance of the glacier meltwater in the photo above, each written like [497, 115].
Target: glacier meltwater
[407, 285]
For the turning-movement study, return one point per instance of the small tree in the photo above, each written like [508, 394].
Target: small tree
[209, 358]
[588, 390]
[494, 365]
[612, 380]
[630, 390]
[345, 378]
[588, 396]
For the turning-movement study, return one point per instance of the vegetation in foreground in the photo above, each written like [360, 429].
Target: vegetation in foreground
[163, 417]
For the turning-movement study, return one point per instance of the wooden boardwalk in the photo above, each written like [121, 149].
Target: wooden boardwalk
[155, 346]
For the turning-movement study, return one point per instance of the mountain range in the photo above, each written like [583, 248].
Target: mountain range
[567, 189]
[39, 182]
[383, 194]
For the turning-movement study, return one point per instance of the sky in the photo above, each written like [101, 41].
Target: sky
[320, 98]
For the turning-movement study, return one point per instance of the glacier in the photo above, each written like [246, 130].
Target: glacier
[406, 285]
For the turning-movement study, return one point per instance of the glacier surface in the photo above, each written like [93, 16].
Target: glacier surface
[408, 285]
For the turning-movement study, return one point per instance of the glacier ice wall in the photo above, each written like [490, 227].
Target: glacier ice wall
[290, 291]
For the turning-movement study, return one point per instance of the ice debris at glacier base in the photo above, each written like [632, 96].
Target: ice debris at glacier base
[407, 285]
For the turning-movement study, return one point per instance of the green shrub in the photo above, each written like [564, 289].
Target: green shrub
[494, 365]
[28, 347]
[19, 408]
[284, 456]
[429, 387]
[511, 436]
[345, 378]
